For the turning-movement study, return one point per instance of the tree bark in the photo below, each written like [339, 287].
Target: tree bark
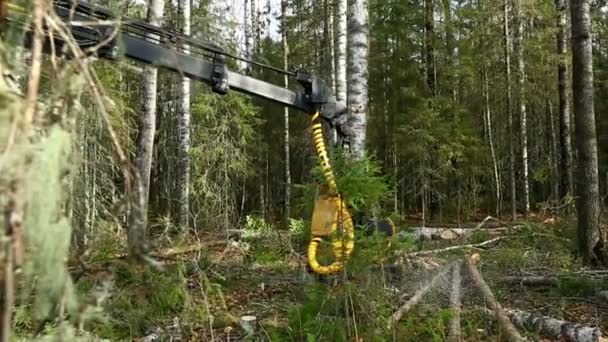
[332, 47]
[286, 142]
[521, 80]
[341, 51]
[553, 328]
[555, 174]
[566, 187]
[503, 319]
[429, 30]
[508, 109]
[358, 97]
[488, 121]
[147, 130]
[183, 182]
[449, 43]
[454, 334]
[591, 237]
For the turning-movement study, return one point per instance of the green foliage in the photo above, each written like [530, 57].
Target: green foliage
[360, 182]
[145, 298]
[225, 144]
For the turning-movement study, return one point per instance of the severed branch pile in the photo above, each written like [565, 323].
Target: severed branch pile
[507, 319]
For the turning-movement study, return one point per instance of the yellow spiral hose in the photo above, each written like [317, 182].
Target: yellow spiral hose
[341, 251]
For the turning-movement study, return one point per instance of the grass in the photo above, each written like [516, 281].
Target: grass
[204, 295]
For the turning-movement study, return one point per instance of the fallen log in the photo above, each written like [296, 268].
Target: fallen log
[455, 304]
[426, 233]
[418, 295]
[484, 223]
[451, 248]
[503, 319]
[551, 327]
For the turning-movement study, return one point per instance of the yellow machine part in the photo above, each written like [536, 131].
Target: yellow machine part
[330, 216]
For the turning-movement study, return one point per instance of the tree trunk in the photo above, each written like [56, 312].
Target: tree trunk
[488, 121]
[286, 142]
[555, 174]
[248, 28]
[341, 51]
[564, 103]
[183, 182]
[332, 48]
[147, 127]
[449, 43]
[331, 58]
[429, 28]
[521, 80]
[358, 97]
[591, 236]
[509, 111]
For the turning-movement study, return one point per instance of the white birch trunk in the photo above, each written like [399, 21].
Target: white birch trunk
[358, 97]
[183, 182]
[521, 80]
[488, 121]
[145, 142]
[509, 113]
[286, 80]
[147, 128]
[341, 51]
[332, 47]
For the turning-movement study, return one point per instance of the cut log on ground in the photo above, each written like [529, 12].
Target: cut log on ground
[503, 319]
[418, 295]
[455, 304]
[452, 248]
[552, 327]
[485, 223]
[425, 233]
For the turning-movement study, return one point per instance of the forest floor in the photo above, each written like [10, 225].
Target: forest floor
[206, 288]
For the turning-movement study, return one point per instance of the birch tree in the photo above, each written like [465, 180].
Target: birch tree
[286, 142]
[591, 235]
[508, 109]
[521, 83]
[564, 102]
[358, 98]
[341, 35]
[145, 140]
[183, 182]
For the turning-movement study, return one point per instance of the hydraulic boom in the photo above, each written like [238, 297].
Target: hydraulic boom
[97, 31]
[193, 58]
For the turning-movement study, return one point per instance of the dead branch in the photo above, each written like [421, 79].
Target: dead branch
[455, 304]
[451, 248]
[552, 327]
[418, 295]
[502, 317]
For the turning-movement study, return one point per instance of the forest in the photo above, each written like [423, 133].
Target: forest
[304, 170]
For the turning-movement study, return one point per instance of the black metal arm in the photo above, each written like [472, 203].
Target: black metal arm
[205, 62]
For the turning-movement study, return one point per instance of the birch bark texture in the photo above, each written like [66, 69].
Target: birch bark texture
[136, 233]
[566, 187]
[183, 182]
[147, 125]
[523, 115]
[286, 142]
[358, 75]
[591, 237]
[342, 39]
